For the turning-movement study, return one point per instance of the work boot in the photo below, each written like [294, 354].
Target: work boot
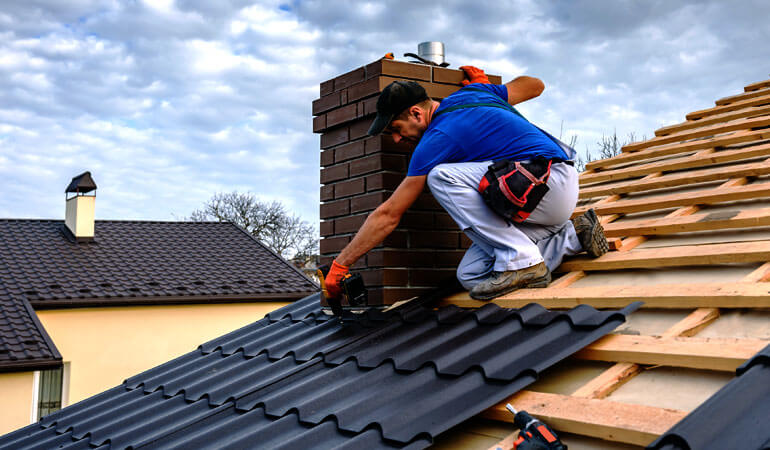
[591, 234]
[537, 276]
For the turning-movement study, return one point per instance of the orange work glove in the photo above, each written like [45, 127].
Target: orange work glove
[474, 75]
[333, 279]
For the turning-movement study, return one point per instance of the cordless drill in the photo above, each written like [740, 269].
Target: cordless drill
[533, 434]
[354, 293]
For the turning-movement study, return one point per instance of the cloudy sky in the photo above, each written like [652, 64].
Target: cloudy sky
[168, 102]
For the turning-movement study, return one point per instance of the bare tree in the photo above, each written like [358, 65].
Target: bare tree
[269, 222]
[606, 147]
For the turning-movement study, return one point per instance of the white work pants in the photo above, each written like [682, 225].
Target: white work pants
[547, 234]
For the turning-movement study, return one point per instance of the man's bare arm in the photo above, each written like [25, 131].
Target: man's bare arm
[524, 88]
[383, 220]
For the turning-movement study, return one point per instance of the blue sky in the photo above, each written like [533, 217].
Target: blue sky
[168, 102]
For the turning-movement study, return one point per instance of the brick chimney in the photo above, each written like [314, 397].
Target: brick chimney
[359, 172]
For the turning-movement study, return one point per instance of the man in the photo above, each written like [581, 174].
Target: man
[457, 140]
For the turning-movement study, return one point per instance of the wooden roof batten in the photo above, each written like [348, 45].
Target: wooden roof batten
[732, 136]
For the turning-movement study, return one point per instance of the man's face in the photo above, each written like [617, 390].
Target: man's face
[410, 129]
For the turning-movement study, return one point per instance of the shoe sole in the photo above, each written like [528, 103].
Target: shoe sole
[538, 283]
[599, 242]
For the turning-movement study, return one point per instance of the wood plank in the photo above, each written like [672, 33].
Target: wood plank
[695, 255]
[754, 169]
[614, 421]
[609, 381]
[726, 108]
[757, 85]
[701, 159]
[722, 354]
[736, 137]
[709, 221]
[741, 124]
[663, 296]
[693, 323]
[705, 197]
[568, 279]
[750, 111]
[760, 274]
[742, 96]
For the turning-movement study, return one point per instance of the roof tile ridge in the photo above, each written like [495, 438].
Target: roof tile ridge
[275, 254]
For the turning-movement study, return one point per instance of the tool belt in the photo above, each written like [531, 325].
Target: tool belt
[513, 189]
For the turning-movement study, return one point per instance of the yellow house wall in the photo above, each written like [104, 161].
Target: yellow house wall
[104, 346]
[16, 395]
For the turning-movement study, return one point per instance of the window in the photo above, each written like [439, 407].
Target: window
[49, 392]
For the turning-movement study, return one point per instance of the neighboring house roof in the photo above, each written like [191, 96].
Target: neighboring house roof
[24, 344]
[736, 416]
[127, 263]
[131, 262]
[298, 378]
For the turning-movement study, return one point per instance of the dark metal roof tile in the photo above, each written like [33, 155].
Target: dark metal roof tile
[734, 417]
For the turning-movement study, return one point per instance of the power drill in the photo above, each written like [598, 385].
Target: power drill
[533, 434]
[353, 292]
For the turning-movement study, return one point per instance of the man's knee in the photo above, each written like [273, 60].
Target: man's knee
[436, 176]
[466, 279]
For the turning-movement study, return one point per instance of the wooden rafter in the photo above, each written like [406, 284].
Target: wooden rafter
[695, 115]
[750, 111]
[664, 296]
[614, 421]
[680, 179]
[723, 354]
[710, 221]
[698, 160]
[740, 97]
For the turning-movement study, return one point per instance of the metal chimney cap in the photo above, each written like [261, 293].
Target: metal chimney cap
[432, 51]
[81, 184]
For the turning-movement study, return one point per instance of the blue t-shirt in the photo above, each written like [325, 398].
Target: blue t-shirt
[482, 133]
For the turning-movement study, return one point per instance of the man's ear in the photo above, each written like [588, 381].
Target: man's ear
[417, 112]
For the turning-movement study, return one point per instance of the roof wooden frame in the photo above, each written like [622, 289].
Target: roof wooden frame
[730, 135]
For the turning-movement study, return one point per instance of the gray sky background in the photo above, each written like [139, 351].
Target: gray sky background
[168, 102]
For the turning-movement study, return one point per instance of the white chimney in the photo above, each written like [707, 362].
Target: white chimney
[79, 216]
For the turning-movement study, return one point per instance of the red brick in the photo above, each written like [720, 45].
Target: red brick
[327, 157]
[344, 97]
[335, 137]
[430, 277]
[384, 143]
[334, 244]
[326, 103]
[349, 187]
[334, 173]
[319, 123]
[377, 162]
[426, 202]
[433, 239]
[327, 87]
[444, 221]
[400, 258]
[449, 258]
[367, 107]
[383, 180]
[464, 241]
[327, 192]
[417, 219]
[350, 224]
[385, 277]
[349, 151]
[359, 128]
[396, 239]
[352, 77]
[335, 209]
[327, 228]
[341, 115]
[368, 202]
[364, 89]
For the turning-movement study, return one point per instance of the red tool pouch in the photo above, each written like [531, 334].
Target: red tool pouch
[513, 189]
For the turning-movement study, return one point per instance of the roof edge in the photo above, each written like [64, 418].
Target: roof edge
[167, 300]
[42, 330]
[29, 366]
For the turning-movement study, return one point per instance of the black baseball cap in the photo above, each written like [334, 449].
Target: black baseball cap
[395, 98]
